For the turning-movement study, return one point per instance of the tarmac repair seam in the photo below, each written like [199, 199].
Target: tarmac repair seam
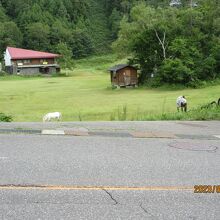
[144, 134]
[96, 188]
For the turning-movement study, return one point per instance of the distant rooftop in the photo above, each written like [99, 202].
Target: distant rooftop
[18, 53]
[175, 3]
[119, 67]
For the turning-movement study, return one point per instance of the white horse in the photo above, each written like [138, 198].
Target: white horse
[52, 115]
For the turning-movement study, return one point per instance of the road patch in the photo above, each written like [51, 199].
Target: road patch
[76, 133]
[19, 131]
[141, 134]
[192, 124]
[110, 134]
[194, 146]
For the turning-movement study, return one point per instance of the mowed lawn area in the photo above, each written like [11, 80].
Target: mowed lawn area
[87, 95]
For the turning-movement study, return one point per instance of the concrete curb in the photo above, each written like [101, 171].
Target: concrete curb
[52, 132]
[65, 132]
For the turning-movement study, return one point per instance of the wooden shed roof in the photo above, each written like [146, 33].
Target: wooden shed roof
[119, 67]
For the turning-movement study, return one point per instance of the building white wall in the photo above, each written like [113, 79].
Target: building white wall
[7, 58]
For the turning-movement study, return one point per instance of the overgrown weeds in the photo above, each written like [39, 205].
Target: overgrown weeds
[120, 115]
[210, 112]
[5, 118]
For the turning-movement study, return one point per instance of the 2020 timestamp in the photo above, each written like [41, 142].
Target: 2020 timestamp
[207, 189]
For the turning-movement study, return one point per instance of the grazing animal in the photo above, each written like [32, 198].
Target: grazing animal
[52, 115]
[181, 103]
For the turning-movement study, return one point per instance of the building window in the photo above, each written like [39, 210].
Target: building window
[26, 61]
[19, 62]
[44, 61]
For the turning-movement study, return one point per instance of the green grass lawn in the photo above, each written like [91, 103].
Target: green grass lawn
[87, 95]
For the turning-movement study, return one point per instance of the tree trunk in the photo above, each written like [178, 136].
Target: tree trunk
[162, 43]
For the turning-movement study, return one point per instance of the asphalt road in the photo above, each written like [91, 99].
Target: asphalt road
[108, 176]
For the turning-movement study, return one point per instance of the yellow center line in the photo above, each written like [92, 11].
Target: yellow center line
[115, 188]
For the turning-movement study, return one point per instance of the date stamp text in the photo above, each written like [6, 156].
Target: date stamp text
[207, 189]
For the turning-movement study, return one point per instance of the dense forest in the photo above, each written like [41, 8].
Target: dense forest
[83, 27]
[52, 25]
[170, 41]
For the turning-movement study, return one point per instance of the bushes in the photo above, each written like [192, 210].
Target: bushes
[173, 44]
[5, 118]
[2, 73]
[197, 114]
[174, 71]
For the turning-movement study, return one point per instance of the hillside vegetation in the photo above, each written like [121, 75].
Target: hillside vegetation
[82, 27]
[176, 45]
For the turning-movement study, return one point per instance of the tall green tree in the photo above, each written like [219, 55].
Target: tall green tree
[81, 44]
[37, 36]
[65, 59]
[10, 35]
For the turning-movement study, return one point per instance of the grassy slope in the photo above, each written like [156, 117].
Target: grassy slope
[87, 95]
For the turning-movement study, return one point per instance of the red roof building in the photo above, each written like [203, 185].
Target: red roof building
[27, 62]
[18, 53]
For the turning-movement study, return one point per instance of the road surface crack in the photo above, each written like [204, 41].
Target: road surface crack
[112, 198]
[147, 212]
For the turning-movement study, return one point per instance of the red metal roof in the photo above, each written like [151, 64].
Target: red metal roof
[18, 53]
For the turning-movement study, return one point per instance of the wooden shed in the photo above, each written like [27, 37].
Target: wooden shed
[123, 75]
